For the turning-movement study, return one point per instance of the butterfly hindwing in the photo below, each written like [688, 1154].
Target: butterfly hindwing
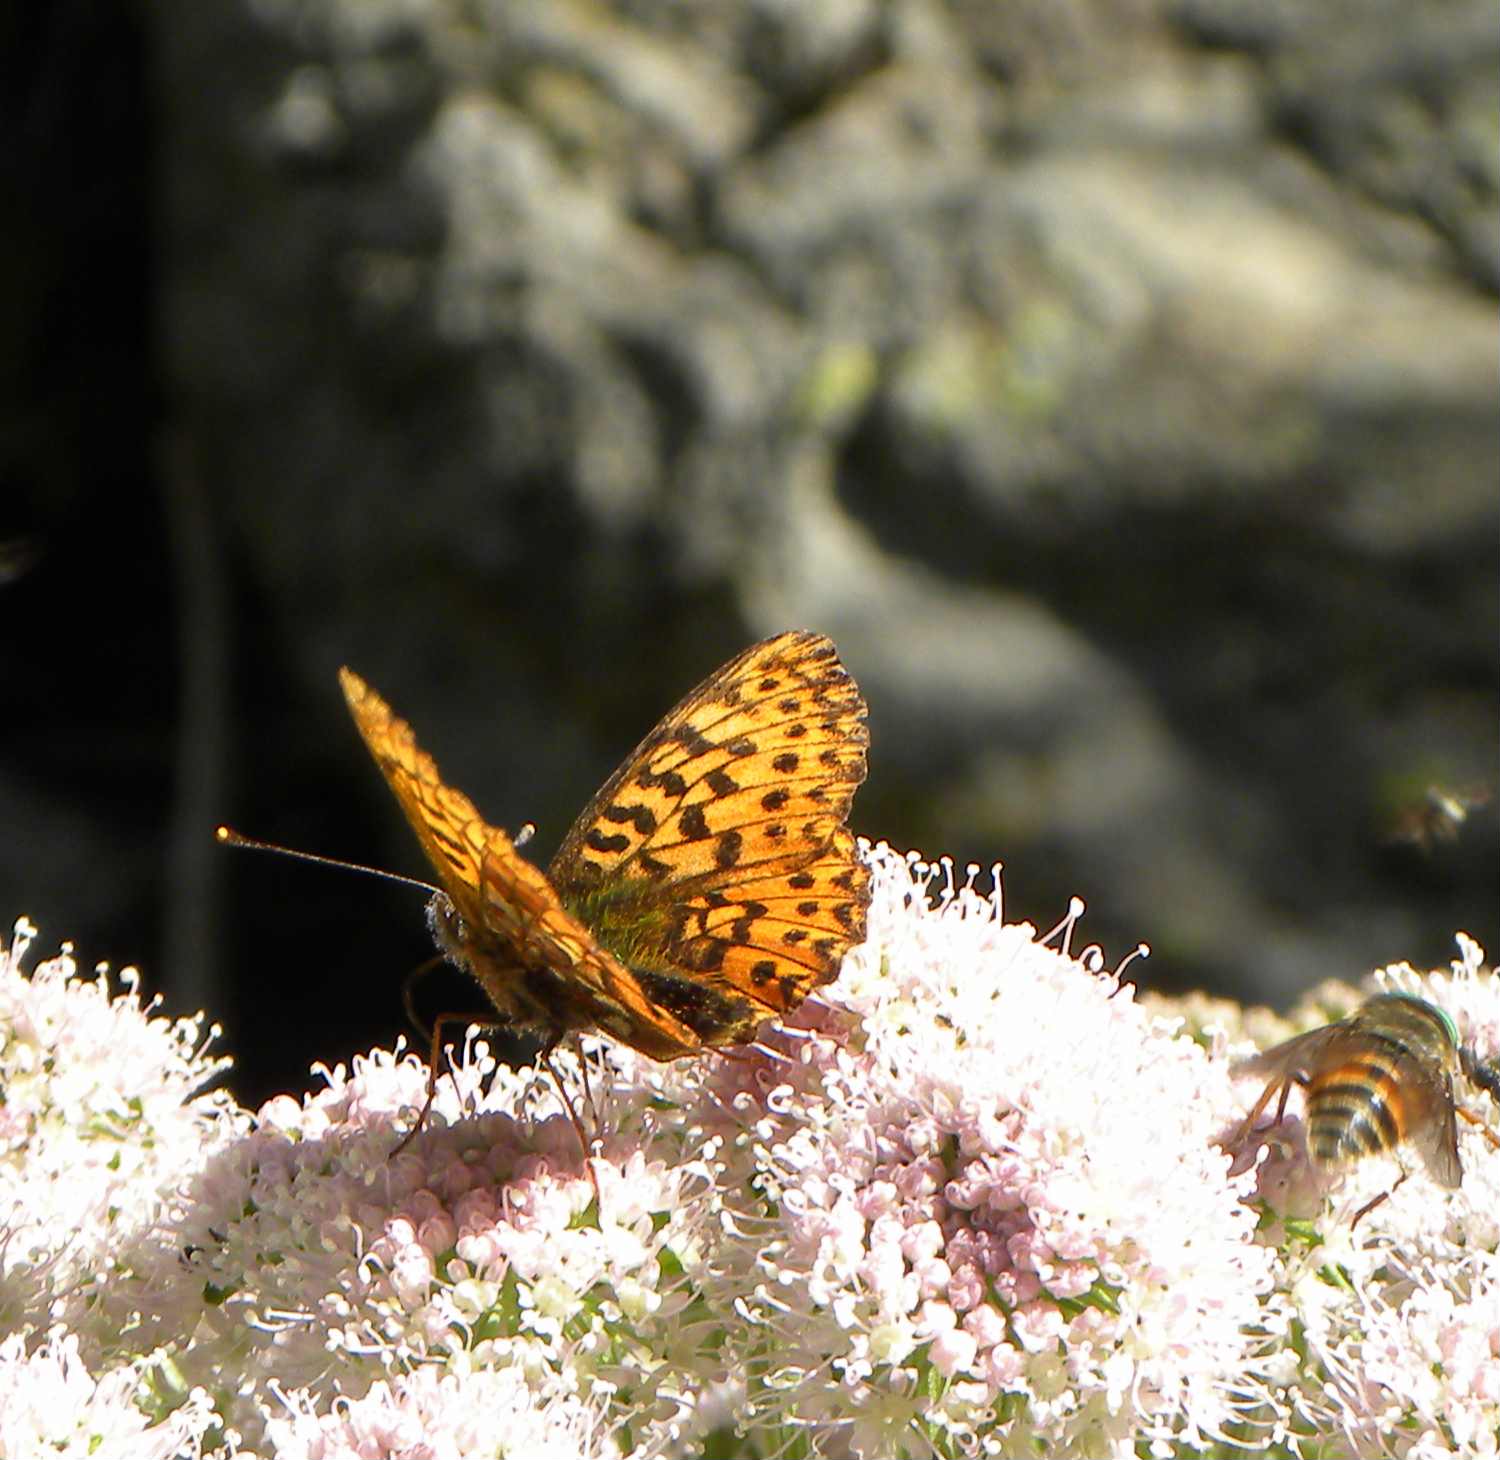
[776, 937]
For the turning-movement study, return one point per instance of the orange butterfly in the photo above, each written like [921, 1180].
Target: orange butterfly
[710, 884]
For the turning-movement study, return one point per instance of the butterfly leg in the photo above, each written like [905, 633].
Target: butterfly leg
[546, 1058]
[583, 1074]
[408, 995]
[584, 1142]
[432, 1075]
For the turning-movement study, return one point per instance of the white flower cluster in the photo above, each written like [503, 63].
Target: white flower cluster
[1397, 1321]
[972, 1201]
[51, 1405]
[391, 1295]
[999, 1220]
[103, 1109]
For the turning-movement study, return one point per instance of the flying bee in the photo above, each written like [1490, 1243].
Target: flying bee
[1439, 816]
[1379, 1079]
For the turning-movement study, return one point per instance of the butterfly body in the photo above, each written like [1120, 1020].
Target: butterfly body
[1380, 1079]
[711, 882]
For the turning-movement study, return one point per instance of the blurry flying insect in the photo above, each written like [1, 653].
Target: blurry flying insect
[1439, 816]
[18, 555]
[1379, 1079]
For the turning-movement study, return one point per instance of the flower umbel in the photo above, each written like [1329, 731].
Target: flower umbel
[997, 1210]
[1397, 1320]
[104, 1108]
[50, 1404]
[970, 1203]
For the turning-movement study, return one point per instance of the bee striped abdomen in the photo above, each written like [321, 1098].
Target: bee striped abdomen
[1355, 1109]
[1379, 1079]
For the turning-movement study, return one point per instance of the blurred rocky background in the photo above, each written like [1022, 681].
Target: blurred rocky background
[1116, 382]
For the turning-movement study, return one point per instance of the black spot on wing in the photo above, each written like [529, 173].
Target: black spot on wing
[694, 741]
[642, 818]
[668, 782]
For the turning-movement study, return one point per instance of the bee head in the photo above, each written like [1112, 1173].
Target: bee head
[1484, 1073]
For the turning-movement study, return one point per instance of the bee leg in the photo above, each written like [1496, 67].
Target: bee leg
[1374, 1202]
[1286, 1089]
[1282, 1083]
[1473, 1119]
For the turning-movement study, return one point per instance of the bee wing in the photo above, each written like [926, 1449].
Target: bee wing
[1283, 1063]
[1292, 1059]
[1434, 1127]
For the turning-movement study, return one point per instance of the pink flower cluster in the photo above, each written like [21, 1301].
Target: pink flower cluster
[1000, 1218]
[1400, 1317]
[102, 1106]
[970, 1201]
[373, 1294]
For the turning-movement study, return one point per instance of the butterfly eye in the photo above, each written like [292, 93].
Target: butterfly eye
[444, 921]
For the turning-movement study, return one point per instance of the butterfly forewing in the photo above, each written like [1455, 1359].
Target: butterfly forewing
[757, 765]
[723, 834]
[452, 832]
[546, 970]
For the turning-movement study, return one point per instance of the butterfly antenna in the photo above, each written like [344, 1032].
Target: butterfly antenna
[227, 836]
